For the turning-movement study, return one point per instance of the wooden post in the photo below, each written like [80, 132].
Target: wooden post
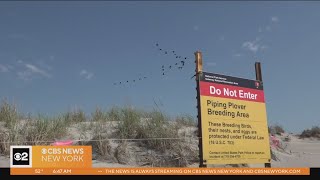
[198, 62]
[259, 78]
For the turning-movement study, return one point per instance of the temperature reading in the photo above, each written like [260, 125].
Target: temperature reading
[38, 171]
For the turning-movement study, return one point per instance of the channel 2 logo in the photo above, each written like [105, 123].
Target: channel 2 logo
[20, 156]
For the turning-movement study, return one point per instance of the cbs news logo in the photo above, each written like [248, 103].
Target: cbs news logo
[20, 156]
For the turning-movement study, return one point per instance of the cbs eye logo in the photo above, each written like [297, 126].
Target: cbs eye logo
[20, 156]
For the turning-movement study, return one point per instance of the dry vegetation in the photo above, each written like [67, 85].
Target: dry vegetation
[314, 132]
[276, 129]
[121, 135]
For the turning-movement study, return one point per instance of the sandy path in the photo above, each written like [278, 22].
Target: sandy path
[4, 162]
[304, 153]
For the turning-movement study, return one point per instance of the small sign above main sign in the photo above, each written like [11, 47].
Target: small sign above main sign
[233, 120]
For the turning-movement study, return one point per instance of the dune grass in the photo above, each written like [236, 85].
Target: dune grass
[276, 129]
[314, 132]
[43, 129]
[155, 131]
[8, 114]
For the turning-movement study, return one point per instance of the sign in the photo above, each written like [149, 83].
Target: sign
[233, 120]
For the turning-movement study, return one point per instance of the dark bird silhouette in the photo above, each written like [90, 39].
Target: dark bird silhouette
[163, 74]
[160, 49]
[179, 67]
[134, 80]
[169, 67]
[139, 78]
[120, 83]
[185, 58]
[145, 77]
[127, 81]
[177, 56]
[166, 52]
[162, 66]
[157, 44]
[182, 62]
[176, 64]
[172, 51]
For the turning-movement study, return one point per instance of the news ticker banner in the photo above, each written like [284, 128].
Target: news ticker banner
[233, 120]
[160, 171]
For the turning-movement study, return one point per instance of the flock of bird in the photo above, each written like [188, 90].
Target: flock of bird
[178, 64]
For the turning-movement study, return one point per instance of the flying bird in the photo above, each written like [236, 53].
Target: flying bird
[157, 44]
[169, 67]
[166, 52]
[185, 58]
[127, 81]
[176, 64]
[182, 63]
[172, 51]
[163, 74]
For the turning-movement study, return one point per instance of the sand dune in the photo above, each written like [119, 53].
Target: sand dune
[295, 153]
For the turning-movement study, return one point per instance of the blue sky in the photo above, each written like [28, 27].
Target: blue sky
[58, 55]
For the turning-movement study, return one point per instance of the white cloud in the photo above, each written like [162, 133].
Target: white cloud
[25, 75]
[4, 68]
[30, 71]
[237, 55]
[263, 47]
[35, 70]
[83, 72]
[251, 46]
[211, 64]
[86, 74]
[274, 19]
[44, 65]
[268, 28]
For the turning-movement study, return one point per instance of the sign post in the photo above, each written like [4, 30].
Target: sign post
[198, 62]
[232, 119]
[259, 78]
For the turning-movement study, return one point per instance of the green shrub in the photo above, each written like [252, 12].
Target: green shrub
[276, 129]
[75, 116]
[313, 132]
[99, 115]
